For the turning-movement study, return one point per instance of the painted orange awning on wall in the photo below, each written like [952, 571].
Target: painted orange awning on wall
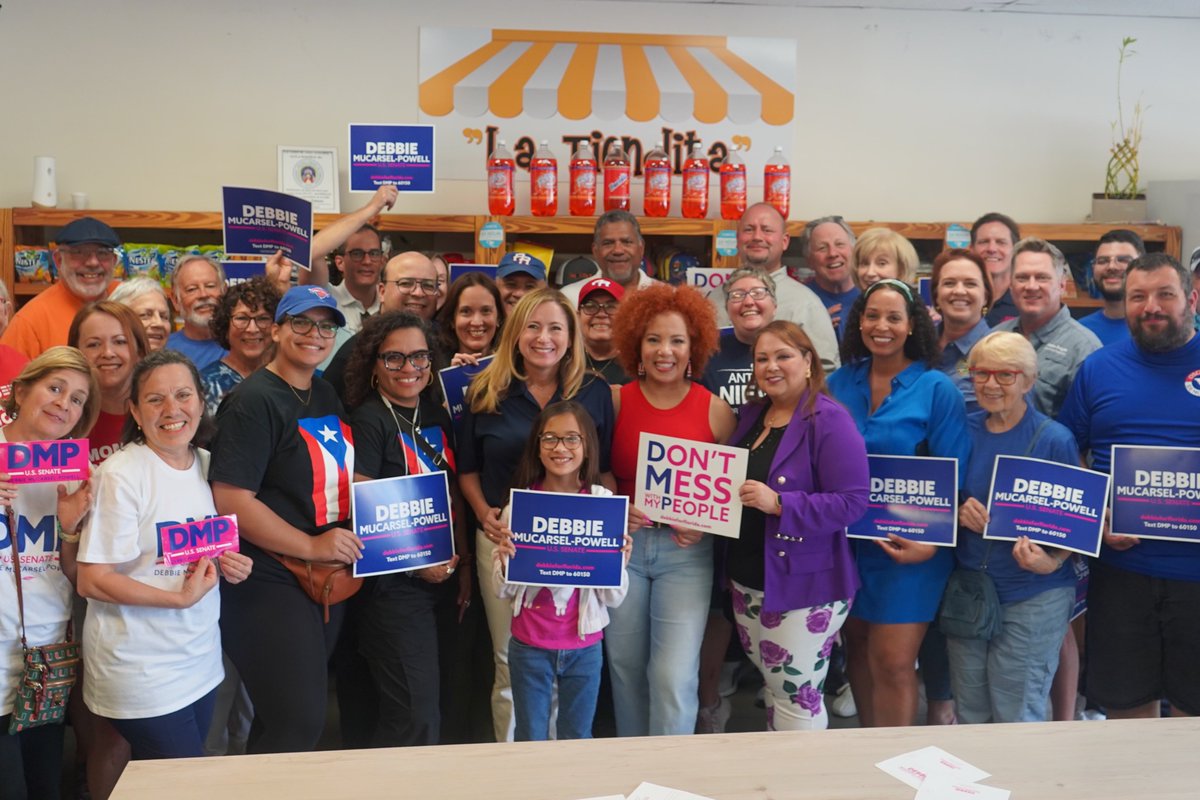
[578, 74]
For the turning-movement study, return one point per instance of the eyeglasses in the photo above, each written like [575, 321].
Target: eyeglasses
[591, 308]
[303, 326]
[394, 360]
[571, 441]
[104, 255]
[427, 285]
[358, 254]
[1004, 377]
[241, 322]
[757, 293]
[1104, 261]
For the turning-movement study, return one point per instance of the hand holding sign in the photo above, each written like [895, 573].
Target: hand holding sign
[1032, 558]
[906, 551]
[757, 494]
[235, 567]
[198, 580]
[336, 544]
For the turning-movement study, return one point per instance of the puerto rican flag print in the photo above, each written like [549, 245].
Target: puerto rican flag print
[331, 451]
[417, 460]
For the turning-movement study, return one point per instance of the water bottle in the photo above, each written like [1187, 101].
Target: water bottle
[616, 179]
[582, 199]
[733, 186]
[777, 183]
[543, 182]
[656, 199]
[502, 199]
[695, 184]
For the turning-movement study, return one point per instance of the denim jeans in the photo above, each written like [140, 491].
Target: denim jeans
[536, 671]
[1008, 679]
[654, 637]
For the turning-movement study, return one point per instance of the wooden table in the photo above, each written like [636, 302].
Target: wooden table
[1129, 760]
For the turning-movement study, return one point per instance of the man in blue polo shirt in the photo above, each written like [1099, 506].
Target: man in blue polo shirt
[1116, 252]
[1144, 596]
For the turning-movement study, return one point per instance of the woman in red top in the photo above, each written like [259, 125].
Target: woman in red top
[664, 335]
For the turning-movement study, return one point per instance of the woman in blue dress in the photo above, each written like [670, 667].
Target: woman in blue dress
[902, 407]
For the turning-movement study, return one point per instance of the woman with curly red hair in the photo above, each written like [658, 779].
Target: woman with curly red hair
[664, 336]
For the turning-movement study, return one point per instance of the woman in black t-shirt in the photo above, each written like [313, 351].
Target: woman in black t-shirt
[388, 666]
[282, 461]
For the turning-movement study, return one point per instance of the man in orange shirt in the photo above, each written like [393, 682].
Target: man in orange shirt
[85, 254]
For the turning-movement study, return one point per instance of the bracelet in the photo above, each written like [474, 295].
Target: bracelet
[69, 538]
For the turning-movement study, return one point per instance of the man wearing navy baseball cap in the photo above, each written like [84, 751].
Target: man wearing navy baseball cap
[85, 254]
[517, 275]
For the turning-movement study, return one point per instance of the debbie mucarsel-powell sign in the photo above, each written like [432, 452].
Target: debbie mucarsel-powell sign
[404, 523]
[690, 484]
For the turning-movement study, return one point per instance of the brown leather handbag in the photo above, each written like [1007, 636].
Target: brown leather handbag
[327, 583]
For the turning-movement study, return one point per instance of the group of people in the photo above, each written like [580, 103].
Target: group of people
[273, 398]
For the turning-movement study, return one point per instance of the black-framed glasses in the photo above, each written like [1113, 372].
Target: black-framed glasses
[427, 285]
[592, 308]
[757, 293]
[394, 360]
[1004, 377]
[303, 326]
[241, 322]
[1104, 261]
[571, 441]
[358, 254]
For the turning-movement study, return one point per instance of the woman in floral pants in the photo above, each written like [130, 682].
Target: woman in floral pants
[793, 577]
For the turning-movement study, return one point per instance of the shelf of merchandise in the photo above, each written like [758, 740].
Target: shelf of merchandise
[33, 226]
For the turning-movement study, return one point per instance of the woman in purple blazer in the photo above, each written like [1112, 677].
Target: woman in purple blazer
[791, 572]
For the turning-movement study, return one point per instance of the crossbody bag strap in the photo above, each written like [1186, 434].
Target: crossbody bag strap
[12, 537]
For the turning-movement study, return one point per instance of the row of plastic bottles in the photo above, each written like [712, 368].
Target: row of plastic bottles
[617, 177]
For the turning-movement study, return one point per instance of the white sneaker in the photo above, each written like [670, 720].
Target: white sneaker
[842, 704]
[713, 718]
[727, 684]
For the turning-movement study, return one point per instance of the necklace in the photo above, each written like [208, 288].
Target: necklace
[304, 401]
[414, 430]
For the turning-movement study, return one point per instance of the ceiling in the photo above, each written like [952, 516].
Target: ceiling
[1169, 9]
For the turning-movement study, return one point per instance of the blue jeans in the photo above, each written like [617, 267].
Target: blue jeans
[180, 734]
[654, 637]
[534, 672]
[1008, 679]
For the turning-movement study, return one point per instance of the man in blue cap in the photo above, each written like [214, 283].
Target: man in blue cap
[85, 254]
[517, 275]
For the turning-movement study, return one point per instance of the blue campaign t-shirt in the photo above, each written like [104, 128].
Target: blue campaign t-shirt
[1107, 330]
[202, 352]
[1123, 394]
[730, 371]
[831, 299]
[1054, 443]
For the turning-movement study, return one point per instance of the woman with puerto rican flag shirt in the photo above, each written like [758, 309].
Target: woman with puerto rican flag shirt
[283, 462]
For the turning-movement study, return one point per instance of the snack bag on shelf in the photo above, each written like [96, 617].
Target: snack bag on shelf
[141, 260]
[168, 260]
[33, 265]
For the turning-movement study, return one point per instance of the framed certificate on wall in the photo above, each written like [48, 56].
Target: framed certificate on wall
[311, 173]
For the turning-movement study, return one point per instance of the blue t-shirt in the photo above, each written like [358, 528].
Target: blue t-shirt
[1125, 395]
[491, 444]
[830, 299]
[201, 352]
[1054, 443]
[1107, 330]
[730, 371]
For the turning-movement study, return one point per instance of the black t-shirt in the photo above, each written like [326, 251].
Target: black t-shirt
[383, 450]
[297, 458]
[609, 369]
[746, 552]
[335, 373]
[730, 371]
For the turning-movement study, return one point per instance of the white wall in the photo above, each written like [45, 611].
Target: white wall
[901, 115]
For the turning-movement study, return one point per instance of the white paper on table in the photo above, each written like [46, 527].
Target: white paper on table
[652, 791]
[607, 797]
[914, 767]
[939, 788]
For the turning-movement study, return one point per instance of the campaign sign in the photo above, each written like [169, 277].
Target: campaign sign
[42, 462]
[690, 484]
[707, 279]
[455, 381]
[241, 271]
[403, 522]
[185, 542]
[567, 539]
[458, 270]
[1051, 503]
[913, 497]
[1156, 492]
[397, 155]
[258, 222]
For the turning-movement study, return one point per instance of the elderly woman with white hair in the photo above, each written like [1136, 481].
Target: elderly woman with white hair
[1007, 678]
[146, 297]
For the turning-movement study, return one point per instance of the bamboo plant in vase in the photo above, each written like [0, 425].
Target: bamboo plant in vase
[1122, 199]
